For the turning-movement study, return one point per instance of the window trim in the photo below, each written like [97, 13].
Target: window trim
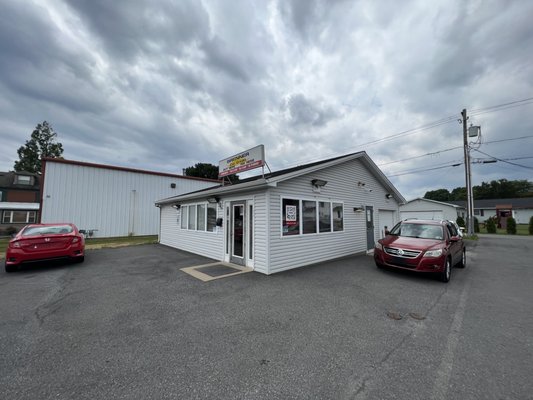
[300, 200]
[196, 207]
[24, 182]
[29, 213]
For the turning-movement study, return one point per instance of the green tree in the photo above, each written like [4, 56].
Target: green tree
[491, 225]
[459, 193]
[41, 144]
[460, 221]
[209, 171]
[438, 195]
[511, 226]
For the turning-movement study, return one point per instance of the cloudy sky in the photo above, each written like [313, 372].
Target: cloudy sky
[161, 85]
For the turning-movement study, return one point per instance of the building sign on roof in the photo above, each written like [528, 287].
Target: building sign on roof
[248, 159]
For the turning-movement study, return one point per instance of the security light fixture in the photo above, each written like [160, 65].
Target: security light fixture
[359, 209]
[319, 182]
[176, 206]
[213, 200]
[388, 196]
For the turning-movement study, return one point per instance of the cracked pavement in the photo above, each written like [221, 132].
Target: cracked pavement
[128, 323]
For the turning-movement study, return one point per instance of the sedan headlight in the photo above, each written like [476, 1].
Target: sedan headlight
[433, 253]
[379, 246]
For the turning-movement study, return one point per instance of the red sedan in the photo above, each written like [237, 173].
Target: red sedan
[41, 242]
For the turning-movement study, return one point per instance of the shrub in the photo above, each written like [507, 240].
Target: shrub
[531, 226]
[491, 226]
[11, 230]
[511, 226]
[476, 225]
[460, 221]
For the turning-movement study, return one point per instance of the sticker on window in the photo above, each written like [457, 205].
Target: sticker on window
[291, 216]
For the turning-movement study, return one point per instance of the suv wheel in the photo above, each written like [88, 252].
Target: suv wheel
[462, 263]
[10, 268]
[446, 273]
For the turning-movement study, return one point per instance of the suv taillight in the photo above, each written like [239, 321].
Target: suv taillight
[14, 245]
[76, 239]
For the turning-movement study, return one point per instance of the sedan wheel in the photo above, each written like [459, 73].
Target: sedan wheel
[446, 273]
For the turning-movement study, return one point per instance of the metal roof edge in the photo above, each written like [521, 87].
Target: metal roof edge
[435, 201]
[125, 169]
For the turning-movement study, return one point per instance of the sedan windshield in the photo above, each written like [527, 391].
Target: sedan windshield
[47, 230]
[421, 231]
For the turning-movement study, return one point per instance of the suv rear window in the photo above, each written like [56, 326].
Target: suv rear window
[422, 231]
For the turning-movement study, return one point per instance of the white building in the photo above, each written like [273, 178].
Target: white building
[421, 208]
[286, 219]
[108, 200]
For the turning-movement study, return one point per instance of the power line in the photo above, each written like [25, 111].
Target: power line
[502, 160]
[507, 140]
[454, 163]
[428, 169]
[500, 105]
[437, 123]
[420, 156]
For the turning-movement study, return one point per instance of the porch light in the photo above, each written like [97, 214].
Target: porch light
[213, 200]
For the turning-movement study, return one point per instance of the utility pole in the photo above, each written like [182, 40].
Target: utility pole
[468, 178]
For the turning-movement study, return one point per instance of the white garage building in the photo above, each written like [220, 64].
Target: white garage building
[108, 200]
[421, 208]
[286, 219]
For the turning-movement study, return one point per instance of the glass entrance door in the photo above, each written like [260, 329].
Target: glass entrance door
[237, 233]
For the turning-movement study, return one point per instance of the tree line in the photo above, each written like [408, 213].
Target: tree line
[496, 189]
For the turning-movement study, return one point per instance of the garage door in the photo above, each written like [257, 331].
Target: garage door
[386, 219]
[435, 214]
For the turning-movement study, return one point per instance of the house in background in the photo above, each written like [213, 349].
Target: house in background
[521, 209]
[108, 200]
[19, 200]
[421, 208]
[286, 219]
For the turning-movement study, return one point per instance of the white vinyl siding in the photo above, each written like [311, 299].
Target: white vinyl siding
[288, 252]
[208, 244]
[272, 251]
[115, 202]
[261, 233]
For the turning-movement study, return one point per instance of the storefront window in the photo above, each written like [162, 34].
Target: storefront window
[200, 223]
[211, 217]
[309, 216]
[192, 217]
[184, 214]
[290, 217]
[324, 216]
[338, 217]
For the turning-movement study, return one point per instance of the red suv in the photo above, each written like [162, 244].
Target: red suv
[422, 246]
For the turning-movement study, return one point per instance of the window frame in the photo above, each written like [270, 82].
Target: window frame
[31, 216]
[197, 207]
[23, 181]
[317, 220]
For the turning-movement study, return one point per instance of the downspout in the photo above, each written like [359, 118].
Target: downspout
[41, 186]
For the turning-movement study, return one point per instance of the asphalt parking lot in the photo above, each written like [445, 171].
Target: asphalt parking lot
[128, 324]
